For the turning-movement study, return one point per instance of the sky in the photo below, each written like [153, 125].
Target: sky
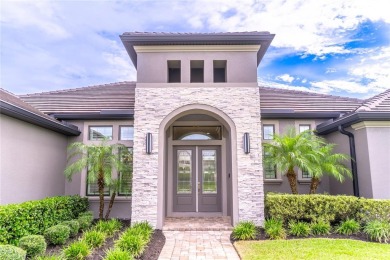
[339, 47]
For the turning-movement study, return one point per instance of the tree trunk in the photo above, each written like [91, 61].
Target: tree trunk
[313, 185]
[101, 194]
[111, 204]
[292, 179]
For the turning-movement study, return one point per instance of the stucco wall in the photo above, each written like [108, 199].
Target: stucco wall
[32, 161]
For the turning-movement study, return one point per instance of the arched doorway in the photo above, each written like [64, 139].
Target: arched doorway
[197, 168]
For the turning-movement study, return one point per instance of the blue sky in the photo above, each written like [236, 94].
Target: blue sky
[339, 47]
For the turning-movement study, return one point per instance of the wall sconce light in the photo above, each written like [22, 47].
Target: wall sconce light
[149, 143]
[247, 143]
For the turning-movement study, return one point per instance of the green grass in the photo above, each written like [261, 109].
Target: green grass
[316, 248]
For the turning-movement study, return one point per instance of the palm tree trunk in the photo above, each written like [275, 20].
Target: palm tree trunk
[101, 194]
[110, 204]
[314, 185]
[292, 179]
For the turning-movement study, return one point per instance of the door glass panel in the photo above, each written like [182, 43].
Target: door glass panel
[209, 171]
[184, 171]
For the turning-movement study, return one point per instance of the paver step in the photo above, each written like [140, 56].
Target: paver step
[197, 224]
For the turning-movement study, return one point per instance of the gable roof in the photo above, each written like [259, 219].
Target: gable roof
[13, 106]
[118, 98]
[131, 39]
[380, 102]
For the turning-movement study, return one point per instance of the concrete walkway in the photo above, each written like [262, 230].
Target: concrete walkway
[198, 238]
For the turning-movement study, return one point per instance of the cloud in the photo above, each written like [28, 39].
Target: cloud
[285, 78]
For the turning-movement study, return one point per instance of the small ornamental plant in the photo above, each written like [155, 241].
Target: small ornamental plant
[85, 222]
[274, 229]
[108, 227]
[57, 235]
[320, 228]
[348, 227]
[378, 231]
[73, 225]
[244, 230]
[34, 245]
[118, 254]
[299, 229]
[94, 238]
[77, 250]
[9, 252]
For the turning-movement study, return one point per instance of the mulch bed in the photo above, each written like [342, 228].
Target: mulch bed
[261, 236]
[152, 251]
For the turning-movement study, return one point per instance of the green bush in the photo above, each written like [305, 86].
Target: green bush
[108, 227]
[299, 229]
[73, 225]
[310, 208]
[371, 209]
[86, 213]
[244, 230]
[135, 239]
[77, 250]
[143, 229]
[34, 217]
[274, 229]
[34, 245]
[57, 235]
[94, 238]
[49, 257]
[320, 228]
[348, 227]
[9, 252]
[118, 254]
[378, 231]
[85, 222]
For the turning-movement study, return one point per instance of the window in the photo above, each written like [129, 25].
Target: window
[197, 71]
[303, 128]
[219, 70]
[174, 71]
[306, 175]
[125, 177]
[268, 132]
[92, 187]
[197, 133]
[126, 133]
[100, 132]
[268, 168]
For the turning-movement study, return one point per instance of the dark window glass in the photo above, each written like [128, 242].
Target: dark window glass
[197, 71]
[219, 70]
[268, 168]
[126, 177]
[174, 71]
[197, 133]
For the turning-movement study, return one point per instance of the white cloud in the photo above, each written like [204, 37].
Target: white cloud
[285, 78]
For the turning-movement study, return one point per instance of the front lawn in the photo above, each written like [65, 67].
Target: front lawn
[314, 248]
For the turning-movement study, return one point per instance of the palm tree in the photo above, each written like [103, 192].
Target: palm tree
[330, 164]
[100, 160]
[294, 150]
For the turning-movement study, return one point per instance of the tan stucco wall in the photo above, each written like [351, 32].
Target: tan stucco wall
[32, 161]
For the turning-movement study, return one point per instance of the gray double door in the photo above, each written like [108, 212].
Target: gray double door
[197, 179]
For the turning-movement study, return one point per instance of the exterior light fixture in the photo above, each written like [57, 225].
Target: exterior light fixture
[247, 144]
[149, 143]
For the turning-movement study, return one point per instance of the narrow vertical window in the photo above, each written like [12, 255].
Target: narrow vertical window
[268, 168]
[268, 132]
[219, 70]
[174, 71]
[197, 71]
[125, 176]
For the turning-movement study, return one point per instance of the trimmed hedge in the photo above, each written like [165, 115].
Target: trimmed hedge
[8, 252]
[34, 217]
[34, 245]
[329, 208]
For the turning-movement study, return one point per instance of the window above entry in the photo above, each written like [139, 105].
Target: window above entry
[197, 133]
[174, 71]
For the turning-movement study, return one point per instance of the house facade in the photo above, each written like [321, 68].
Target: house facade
[196, 120]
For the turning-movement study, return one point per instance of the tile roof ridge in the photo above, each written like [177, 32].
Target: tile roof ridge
[374, 101]
[312, 93]
[8, 92]
[79, 88]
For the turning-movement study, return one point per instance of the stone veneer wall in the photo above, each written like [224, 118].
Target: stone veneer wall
[241, 104]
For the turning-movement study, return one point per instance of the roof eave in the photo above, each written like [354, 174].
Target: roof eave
[103, 115]
[24, 115]
[291, 114]
[346, 121]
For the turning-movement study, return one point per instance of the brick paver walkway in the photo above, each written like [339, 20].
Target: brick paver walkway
[191, 238]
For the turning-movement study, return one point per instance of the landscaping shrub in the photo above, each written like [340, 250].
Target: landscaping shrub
[274, 229]
[135, 239]
[143, 229]
[10, 252]
[299, 229]
[378, 230]
[94, 238]
[73, 225]
[77, 250]
[118, 254]
[371, 209]
[310, 208]
[108, 227]
[34, 245]
[34, 217]
[48, 257]
[85, 222]
[244, 230]
[320, 227]
[86, 213]
[348, 227]
[57, 235]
